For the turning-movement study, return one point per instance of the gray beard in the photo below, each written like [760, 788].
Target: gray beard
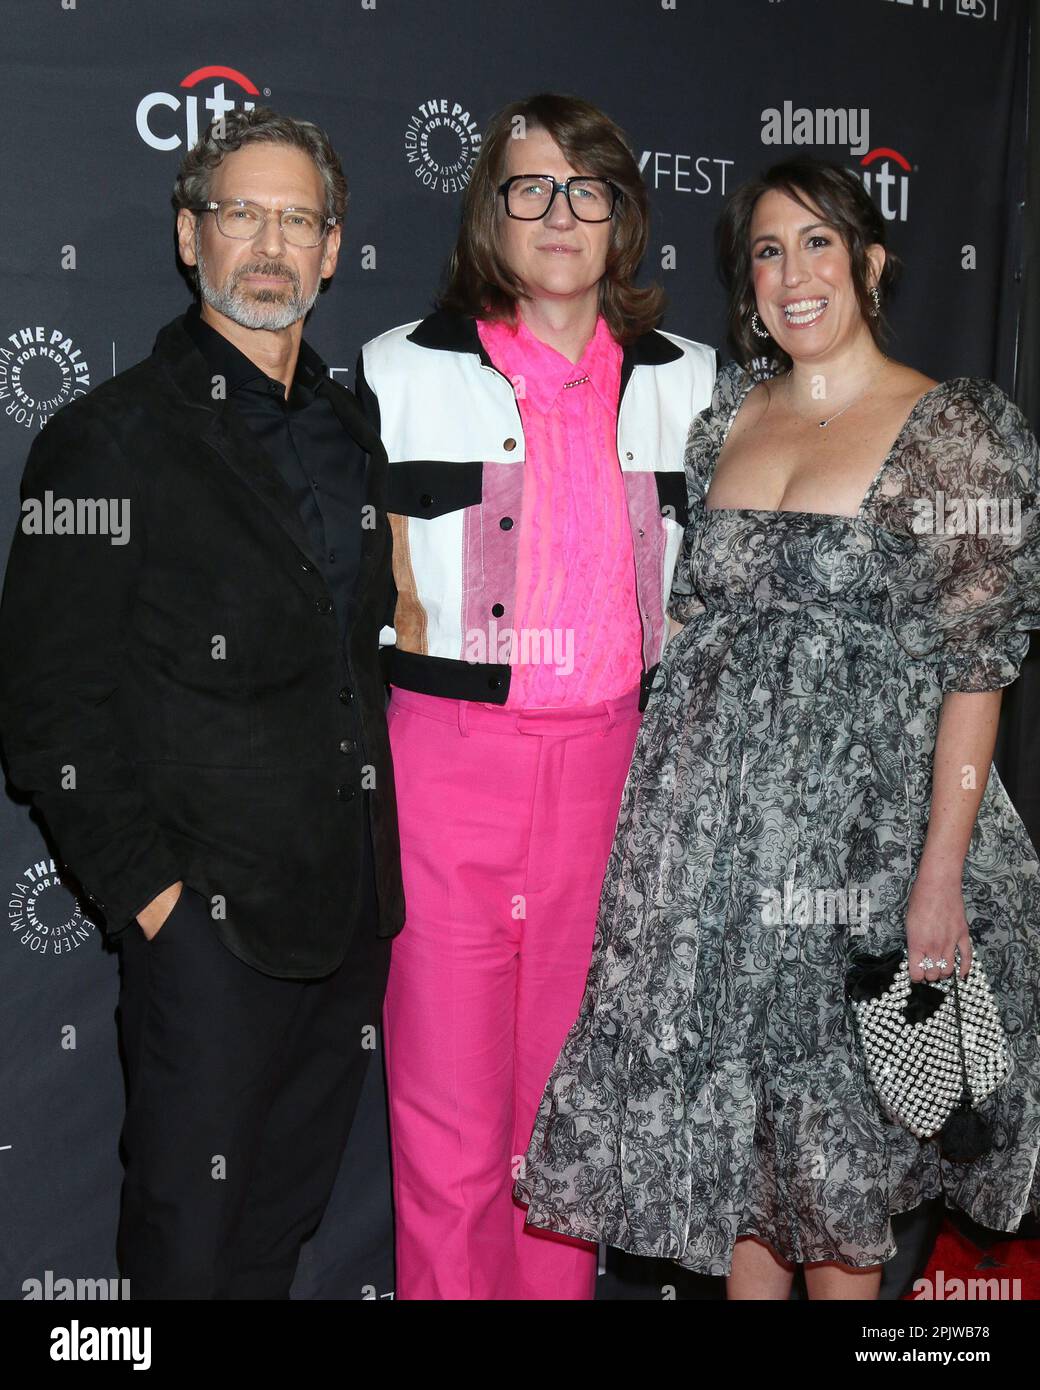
[266, 309]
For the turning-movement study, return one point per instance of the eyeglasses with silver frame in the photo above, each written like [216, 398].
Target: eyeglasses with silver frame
[242, 220]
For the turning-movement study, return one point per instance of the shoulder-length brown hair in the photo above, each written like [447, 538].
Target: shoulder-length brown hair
[477, 272]
[821, 188]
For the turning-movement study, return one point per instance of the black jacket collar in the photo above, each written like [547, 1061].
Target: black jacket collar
[176, 353]
[452, 331]
[188, 373]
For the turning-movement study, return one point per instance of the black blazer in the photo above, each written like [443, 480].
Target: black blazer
[180, 706]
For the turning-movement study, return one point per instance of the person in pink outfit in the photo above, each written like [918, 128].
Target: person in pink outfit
[535, 426]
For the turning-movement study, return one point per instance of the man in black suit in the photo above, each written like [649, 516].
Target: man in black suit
[195, 704]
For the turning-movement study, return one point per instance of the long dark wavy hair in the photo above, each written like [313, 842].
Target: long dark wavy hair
[844, 203]
[477, 272]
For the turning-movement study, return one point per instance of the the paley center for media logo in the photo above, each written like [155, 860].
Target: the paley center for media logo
[42, 368]
[441, 144]
[42, 915]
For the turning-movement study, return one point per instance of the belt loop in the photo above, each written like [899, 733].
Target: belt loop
[611, 715]
[463, 719]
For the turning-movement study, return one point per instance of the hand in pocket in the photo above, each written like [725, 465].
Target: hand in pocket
[153, 918]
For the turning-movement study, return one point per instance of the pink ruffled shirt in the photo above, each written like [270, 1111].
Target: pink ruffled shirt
[575, 564]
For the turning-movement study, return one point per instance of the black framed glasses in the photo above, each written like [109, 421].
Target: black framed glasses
[530, 196]
[242, 220]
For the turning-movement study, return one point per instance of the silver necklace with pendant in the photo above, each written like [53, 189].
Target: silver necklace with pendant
[822, 424]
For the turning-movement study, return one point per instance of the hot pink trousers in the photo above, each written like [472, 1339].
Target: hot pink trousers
[507, 820]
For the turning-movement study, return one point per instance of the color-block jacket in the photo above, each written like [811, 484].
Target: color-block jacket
[451, 427]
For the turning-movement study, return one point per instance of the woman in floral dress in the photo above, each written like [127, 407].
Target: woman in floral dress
[822, 726]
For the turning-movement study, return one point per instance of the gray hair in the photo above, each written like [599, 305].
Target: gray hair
[229, 133]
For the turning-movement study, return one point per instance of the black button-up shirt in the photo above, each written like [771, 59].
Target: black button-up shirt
[320, 463]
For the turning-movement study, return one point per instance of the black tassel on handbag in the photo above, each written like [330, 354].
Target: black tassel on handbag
[965, 1135]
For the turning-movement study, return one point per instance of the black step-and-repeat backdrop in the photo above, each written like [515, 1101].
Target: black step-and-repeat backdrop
[924, 99]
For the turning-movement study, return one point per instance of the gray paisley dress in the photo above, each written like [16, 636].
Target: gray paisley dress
[711, 1085]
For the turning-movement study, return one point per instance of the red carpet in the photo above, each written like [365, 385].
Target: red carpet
[956, 1260]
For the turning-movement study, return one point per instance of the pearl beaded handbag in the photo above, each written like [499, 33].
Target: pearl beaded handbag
[933, 1049]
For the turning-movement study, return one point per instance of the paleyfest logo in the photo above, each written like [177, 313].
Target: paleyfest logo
[442, 143]
[161, 131]
[42, 914]
[41, 369]
[966, 9]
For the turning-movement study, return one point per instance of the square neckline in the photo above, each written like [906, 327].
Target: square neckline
[792, 511]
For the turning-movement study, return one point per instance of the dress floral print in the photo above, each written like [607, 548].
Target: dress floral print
[712, 1085]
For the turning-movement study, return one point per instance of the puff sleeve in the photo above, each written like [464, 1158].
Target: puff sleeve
[968, 590]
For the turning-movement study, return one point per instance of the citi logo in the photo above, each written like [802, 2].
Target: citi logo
[885, 177]
[163, 132]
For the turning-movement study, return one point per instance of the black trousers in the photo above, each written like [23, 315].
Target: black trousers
[241, 1090]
